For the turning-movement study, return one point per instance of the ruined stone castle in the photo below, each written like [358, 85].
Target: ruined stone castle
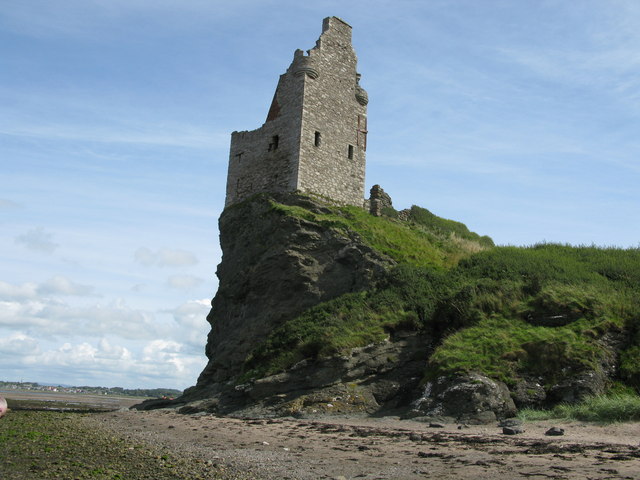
[315, 136]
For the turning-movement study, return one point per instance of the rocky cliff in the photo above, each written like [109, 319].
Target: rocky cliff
[275, 266]
[326, 309]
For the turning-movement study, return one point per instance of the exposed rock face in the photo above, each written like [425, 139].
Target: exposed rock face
[368, 379]
[275, 266]
[377, 377]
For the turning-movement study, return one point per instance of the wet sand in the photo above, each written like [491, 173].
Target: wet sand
[387, 448]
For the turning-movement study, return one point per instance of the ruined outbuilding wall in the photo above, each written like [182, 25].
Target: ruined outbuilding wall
[314, 138]
[378, 201]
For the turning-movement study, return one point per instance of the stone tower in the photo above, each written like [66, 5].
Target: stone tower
[315, 136]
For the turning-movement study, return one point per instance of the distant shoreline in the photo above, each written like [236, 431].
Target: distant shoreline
[111, 402]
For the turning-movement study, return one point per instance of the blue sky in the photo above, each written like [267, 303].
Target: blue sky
[520, 119]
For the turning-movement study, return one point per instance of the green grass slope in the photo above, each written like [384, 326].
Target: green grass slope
[505, 312]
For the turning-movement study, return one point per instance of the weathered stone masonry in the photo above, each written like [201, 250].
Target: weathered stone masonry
[315, 136]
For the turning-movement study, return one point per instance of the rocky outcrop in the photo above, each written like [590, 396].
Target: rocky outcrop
[282, 256]
[471, 398]
[275, 266]
[377, 377]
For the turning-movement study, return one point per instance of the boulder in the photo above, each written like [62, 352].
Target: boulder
[515, 430]
[472, 398]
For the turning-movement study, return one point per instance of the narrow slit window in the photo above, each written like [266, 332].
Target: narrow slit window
[350, 152]
[317, 139]
[274, 142]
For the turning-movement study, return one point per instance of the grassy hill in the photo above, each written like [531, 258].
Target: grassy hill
[546, 311]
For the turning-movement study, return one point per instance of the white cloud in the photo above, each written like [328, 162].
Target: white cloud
[18, 344]
[37, 240]
[86, 356]
[191, 318]
[166, 352]
[160, 348]
[183, 282]
[108, 351]
[164, 257]
[63, 286]
[53, 317]
[24, 315]
[26, 290]
[160, 362]
[57, 285]
[109, 359]
[190, 314]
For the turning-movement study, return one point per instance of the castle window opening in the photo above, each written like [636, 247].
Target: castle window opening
[274, 142]
[350, 152]
[317, 139]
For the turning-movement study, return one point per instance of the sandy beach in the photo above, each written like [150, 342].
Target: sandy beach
[386, 448]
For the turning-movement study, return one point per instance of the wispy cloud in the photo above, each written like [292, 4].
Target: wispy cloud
[607, 57]
[164, 257]
[57, 285]
[15, 292]
[63, 286]
[38, 240]
[52, 317]
[8, 204]
[176, 136]
[184, 282]
[116, 116]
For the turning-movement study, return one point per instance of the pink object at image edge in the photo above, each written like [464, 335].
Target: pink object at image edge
[3, 406]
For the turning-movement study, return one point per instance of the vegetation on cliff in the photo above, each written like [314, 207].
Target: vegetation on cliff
[619, 405]
[424, 240]
[546, 311]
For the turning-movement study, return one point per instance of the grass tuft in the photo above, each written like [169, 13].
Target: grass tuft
[608, 408]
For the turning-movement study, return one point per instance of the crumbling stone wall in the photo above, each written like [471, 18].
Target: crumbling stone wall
[378, 201]
[314, 138]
